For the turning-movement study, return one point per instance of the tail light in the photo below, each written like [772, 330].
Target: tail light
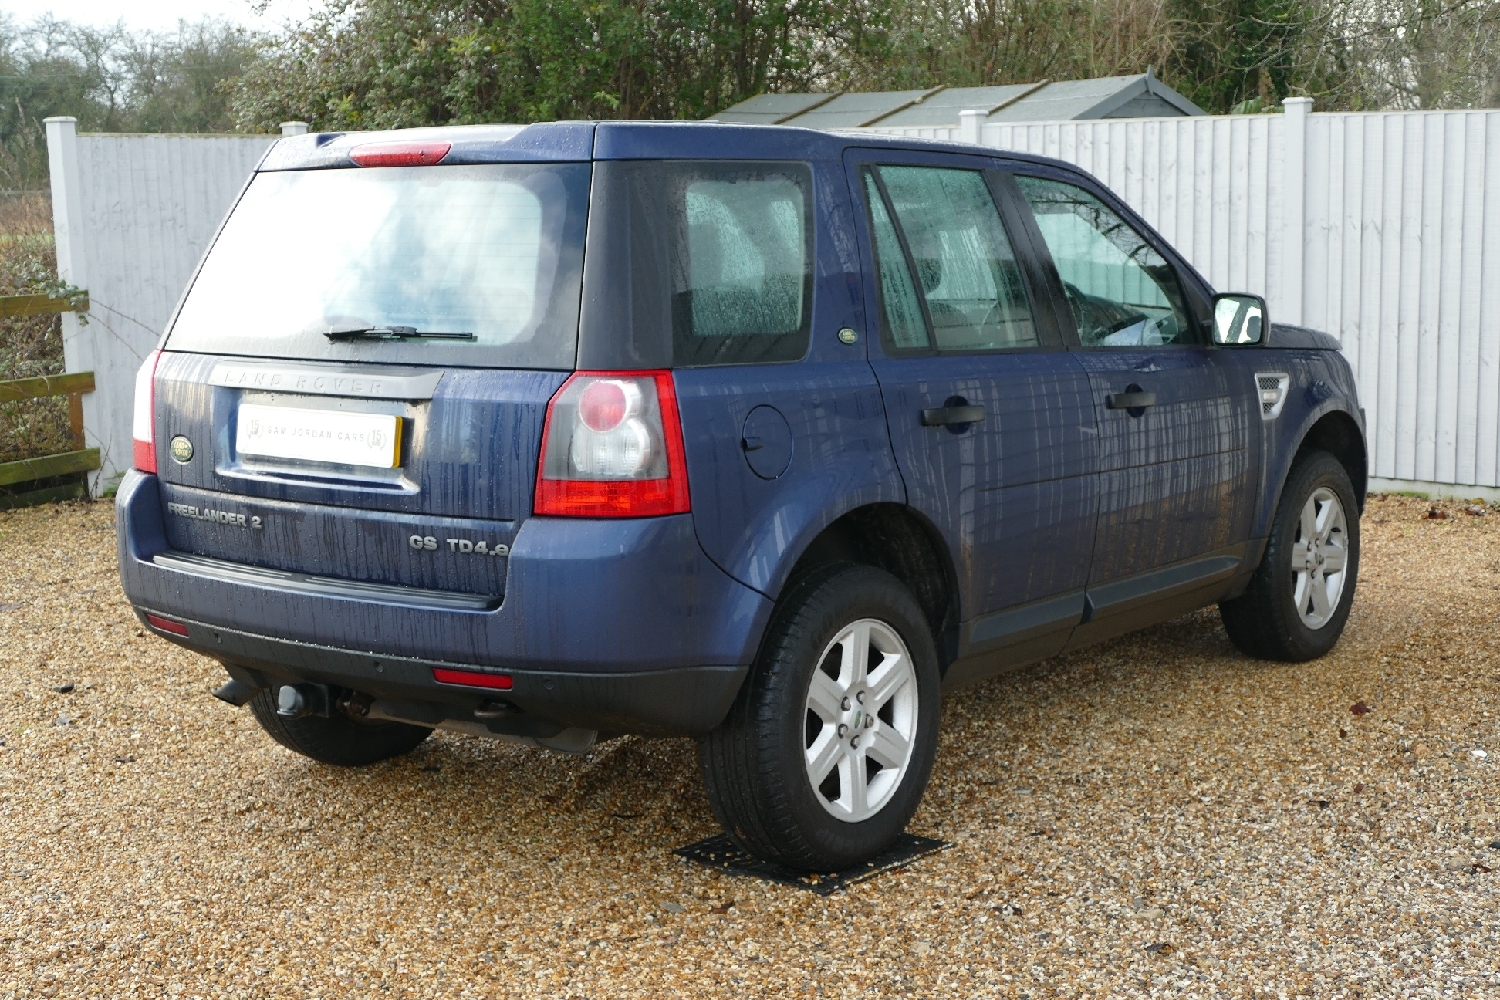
[612, 447]
[143, 426]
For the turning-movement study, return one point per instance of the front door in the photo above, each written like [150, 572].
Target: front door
[1177, 470]
[990, 416]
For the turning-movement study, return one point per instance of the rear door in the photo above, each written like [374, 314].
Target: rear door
[1178, 474]
[356, 383]
[989, 414]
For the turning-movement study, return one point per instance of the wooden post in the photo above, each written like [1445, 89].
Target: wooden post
[75, 419]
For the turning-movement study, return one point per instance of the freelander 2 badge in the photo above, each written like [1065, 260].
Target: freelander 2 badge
[182, 450]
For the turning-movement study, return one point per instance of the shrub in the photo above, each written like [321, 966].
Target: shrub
[30, 345]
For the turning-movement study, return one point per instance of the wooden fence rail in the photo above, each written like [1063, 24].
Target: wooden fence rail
[73, 385]
[38, 305]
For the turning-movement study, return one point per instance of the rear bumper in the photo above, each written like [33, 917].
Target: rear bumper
[623, 626]
[685, 701]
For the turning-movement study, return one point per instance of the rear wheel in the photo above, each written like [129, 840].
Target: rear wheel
[1298, 601]
[338, 739]
[825, 754]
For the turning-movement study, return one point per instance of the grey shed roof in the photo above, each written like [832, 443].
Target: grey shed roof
[1142, 96]
[854, 110]
[1106, 97]
[943, 107]
[769, 109]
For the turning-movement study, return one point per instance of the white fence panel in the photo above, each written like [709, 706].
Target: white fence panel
[1380, 228]
[133, 214]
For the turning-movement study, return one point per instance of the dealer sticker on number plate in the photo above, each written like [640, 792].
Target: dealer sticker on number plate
[372, 440]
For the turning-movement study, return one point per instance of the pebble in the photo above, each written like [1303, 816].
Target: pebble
[161, 845]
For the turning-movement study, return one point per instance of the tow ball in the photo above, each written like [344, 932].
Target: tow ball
[296, 701]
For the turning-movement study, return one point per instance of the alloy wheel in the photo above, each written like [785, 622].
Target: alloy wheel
[1320, 558]
[861, 720]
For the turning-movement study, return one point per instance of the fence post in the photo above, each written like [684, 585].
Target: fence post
[969, 125]
[294, 128]
[67, 214]
[1294, 224]
[72, 266]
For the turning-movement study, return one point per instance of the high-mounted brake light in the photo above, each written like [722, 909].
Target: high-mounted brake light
[612, 447]
[471, 678]
[143, 422]
[399, 154]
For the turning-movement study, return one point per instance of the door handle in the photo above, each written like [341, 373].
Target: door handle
[944, 416]
[1135, 400]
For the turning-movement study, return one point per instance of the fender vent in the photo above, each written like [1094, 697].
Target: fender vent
[1271, 387]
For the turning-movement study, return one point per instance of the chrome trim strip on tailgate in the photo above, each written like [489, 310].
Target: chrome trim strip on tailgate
[323, 586]
[370, 382]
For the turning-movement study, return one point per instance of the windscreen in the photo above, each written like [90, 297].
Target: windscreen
[461, 265]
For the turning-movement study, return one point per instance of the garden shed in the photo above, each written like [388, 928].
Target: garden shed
[1141, 96]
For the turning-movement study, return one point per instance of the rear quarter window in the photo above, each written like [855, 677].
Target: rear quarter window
[719, 253]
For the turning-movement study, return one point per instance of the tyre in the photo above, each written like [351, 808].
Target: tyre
[825, 753]
[338, 739]
[1298, 601]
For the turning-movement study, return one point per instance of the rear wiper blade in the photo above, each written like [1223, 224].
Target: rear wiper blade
[394, 333]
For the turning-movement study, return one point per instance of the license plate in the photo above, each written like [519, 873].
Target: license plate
[371, 440]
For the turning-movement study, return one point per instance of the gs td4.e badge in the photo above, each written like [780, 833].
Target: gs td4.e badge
[429, 543]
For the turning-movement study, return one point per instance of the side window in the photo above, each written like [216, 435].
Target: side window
[1122, 293]
[898, 293]
[698, 262]
[947, 232]
[746, 256]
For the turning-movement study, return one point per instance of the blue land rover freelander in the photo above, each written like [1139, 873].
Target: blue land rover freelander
[763, 436]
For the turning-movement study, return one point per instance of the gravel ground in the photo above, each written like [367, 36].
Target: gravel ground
[1156, 816]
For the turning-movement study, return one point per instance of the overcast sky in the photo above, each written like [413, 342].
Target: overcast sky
[159, 15]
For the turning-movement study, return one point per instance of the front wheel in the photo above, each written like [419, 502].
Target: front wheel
[826, 752]
[1299, 599]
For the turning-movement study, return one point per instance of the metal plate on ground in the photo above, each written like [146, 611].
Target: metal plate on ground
[721, 854]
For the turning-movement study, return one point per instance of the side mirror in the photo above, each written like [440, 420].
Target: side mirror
[1239, 319]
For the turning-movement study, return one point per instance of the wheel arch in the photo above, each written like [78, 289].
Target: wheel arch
[1339, 434]
[898, 539]
[1331, 429]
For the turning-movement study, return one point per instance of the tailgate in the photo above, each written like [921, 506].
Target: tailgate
[457, 480]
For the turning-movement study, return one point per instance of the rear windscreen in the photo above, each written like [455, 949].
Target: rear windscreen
[489, 255]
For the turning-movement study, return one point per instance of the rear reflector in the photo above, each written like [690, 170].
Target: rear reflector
[471, 678]
[166, 625]
[399, 154]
